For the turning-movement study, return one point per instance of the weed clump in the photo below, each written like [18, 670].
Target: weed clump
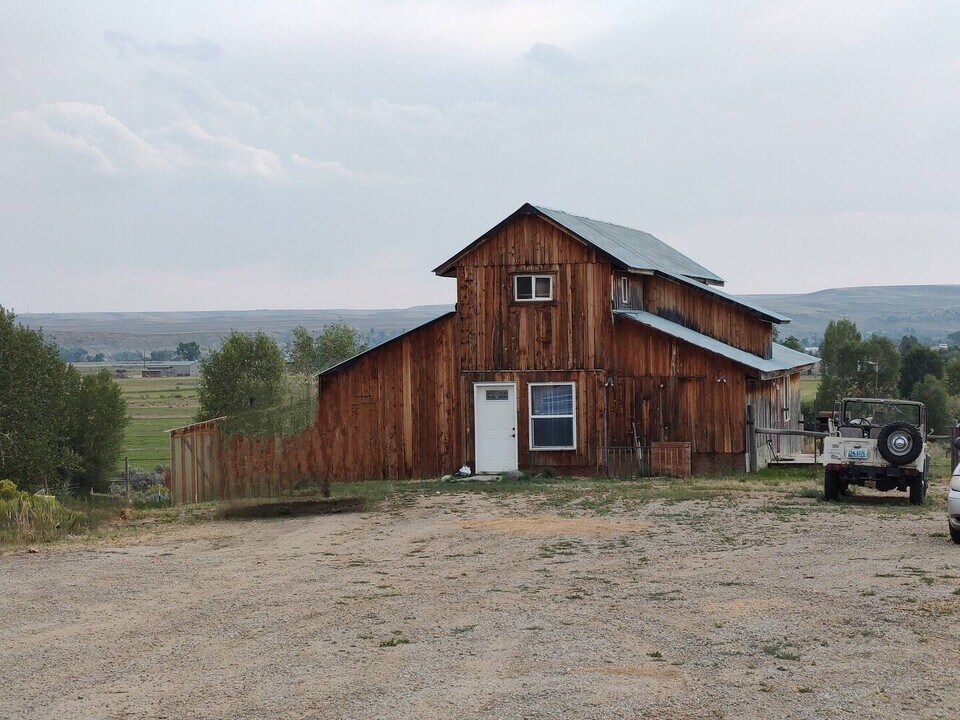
[25, 517]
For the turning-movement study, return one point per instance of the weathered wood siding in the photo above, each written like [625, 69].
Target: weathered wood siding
[673, 391]
[570, 332]
[393, 413]
[634, 299]
[707, 314]
[769, 398]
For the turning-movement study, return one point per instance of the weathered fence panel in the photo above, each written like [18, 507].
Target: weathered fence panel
[209, 464]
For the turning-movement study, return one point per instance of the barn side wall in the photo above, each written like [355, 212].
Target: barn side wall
[393, 412]
[671, 390]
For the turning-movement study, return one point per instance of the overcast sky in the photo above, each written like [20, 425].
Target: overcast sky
[215, 155]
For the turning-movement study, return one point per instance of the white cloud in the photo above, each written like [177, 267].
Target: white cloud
[183, 148]
[88, 130]
[199, 49]
[194, 148]
[334, 172]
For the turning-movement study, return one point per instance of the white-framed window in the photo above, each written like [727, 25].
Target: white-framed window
[553, 416]
[624, 291]
[532, 288]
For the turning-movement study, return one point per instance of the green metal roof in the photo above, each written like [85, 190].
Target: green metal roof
[635, 249]
[783, 357]
[627, 248]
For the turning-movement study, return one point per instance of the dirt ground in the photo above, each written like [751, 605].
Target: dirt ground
[482, 606]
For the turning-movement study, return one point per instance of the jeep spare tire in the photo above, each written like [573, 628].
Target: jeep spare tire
[899, 443]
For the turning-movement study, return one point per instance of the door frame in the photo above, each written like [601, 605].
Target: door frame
[477, 386]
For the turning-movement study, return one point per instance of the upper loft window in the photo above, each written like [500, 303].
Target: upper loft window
[532, 288]
[625, 290]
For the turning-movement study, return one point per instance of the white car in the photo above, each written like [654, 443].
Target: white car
[953, 502]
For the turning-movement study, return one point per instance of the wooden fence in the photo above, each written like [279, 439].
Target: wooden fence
[662, 459]
[209, 464]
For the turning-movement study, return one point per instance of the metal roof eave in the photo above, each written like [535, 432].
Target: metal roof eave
[784, 361]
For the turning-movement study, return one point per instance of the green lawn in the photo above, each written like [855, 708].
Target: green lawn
[155, 405]
[808, 387]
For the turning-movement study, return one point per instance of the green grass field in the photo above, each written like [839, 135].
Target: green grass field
[155, 405]
[808, 387]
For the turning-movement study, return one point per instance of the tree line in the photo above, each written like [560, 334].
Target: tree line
[265, 390]
[59, 430]
[852, 366]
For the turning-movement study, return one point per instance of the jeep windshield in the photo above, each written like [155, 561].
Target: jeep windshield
[877, 413]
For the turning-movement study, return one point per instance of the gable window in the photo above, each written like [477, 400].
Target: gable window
[624, 291]
[553, 424]
[531, 288]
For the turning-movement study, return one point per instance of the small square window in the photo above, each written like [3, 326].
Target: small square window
[531, 288]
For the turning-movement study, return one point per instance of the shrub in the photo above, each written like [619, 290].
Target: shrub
[28, 518]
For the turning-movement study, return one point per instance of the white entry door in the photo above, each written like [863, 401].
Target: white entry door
[495, 420]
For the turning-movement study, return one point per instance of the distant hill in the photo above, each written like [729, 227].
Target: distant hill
[931, 312]
[113, 332]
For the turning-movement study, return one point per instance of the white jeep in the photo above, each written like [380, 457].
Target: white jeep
[878, 444]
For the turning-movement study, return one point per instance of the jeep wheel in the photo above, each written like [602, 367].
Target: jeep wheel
[899, 443]
[918, 488]
[954, 534]
[831, 485]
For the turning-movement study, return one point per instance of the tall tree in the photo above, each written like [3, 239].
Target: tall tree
[303, 352]
[336, 343]
[932, 393]
[245, 381]
[879, 366]
[951, 376]
[793, 342]
[840, 363]
[98, 419]
[188, 350]
[919, 362]
[57, 427]
[907, 343]
[33, 381]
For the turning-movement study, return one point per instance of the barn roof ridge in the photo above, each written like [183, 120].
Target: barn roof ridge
[783, 359]
[627, 247]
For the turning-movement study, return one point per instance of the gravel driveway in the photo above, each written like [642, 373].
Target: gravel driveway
[474, 606]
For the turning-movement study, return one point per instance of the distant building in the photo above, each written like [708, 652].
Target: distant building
[171, 368]
[813, 350]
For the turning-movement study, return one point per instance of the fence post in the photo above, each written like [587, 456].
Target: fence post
[126, 477]
[751, 440]
[954, 451]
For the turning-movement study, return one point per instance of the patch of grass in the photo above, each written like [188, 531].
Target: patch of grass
[561, 547]
[394, 641]
[781, 652]
[656, 655]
